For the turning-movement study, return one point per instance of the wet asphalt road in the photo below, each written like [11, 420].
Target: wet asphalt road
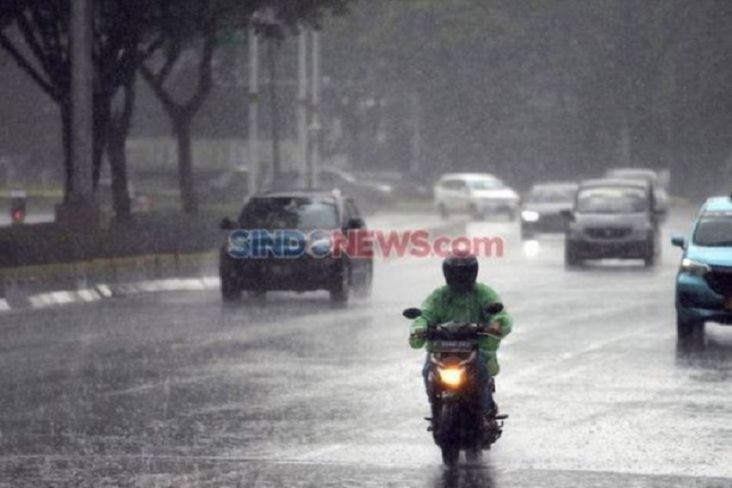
[174, 390]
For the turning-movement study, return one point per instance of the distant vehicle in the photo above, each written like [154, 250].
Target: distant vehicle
[18, 201]
[228, 186]
[479, 194]
[612, 219]
[302, 210]
[644, 174]
[406, 185]
[542, 208]
[370, 195]
[704, 280]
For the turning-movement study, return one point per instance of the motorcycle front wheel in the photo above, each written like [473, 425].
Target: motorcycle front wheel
[448, 435]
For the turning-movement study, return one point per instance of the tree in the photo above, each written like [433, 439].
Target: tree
[36, 35]
[191, 29]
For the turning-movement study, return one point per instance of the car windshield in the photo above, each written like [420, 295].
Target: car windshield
[714, 230]
[631, 174]
[551, 195]
[612, 200]
[486, 184]
[290, 213]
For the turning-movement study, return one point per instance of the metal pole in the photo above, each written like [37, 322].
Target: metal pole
[416, 134]
[304, 176]
[82, 118]
[272, 48]
[253, 165]
[315, 100]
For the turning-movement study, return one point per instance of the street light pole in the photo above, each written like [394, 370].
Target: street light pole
[315, 101]
[415, 163]
[304, 176]
[253, 148]
[272, 49]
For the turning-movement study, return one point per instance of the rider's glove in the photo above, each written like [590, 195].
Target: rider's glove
[495, 329]
[416, 338]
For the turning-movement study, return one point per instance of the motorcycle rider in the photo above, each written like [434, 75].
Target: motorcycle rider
[464, 300]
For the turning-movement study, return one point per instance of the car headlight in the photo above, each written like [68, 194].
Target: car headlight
[694, 267]
[530, 216]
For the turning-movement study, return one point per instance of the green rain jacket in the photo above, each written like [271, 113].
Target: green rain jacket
[444, 305]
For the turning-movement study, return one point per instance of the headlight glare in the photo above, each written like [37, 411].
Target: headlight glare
[694, 267]
[530, 216]
[451, 376]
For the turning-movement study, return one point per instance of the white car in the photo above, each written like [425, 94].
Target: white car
[479, 194]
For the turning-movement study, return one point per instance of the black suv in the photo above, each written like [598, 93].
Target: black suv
[305, 218]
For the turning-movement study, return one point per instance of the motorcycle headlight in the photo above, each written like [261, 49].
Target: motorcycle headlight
[451, 376]
[530, 216]
[694, 267]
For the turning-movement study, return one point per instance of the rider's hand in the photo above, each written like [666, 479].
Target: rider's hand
[495, 329]
[417, 334]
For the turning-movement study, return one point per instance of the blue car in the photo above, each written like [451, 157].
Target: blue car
[704, 281]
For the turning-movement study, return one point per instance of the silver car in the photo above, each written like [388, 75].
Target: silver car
[479, 194]
[613, 218]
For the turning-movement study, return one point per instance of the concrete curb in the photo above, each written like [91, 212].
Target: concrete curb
[44, 286]
[50, 285]
[104, 291]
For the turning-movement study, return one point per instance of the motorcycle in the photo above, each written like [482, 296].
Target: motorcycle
[457, 421]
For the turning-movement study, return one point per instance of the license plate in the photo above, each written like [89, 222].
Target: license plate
[452, 346]
[728, 303]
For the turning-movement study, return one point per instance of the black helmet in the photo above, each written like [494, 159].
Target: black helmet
[461, 271]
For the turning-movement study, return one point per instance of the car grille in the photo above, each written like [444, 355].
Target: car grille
[720, 280]
[553, 221]
[608, 232]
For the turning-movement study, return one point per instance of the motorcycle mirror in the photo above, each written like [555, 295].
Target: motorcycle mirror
[494, 308]
[412, 313]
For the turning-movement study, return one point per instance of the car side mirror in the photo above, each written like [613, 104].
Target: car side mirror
[226, 224]
[494, 308]
[678, 241]
[355, 223]
[567, 214]
[412, 313]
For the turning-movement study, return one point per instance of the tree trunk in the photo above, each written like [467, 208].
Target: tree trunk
[118, 168]
[118, 128]
[182, 128]
[66, 141]
[102, 114]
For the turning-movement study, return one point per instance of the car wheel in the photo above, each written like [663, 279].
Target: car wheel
[340, 291]
[650, 259]
[689, 332]
[450, 455]
[570, 255]
[230, 290]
